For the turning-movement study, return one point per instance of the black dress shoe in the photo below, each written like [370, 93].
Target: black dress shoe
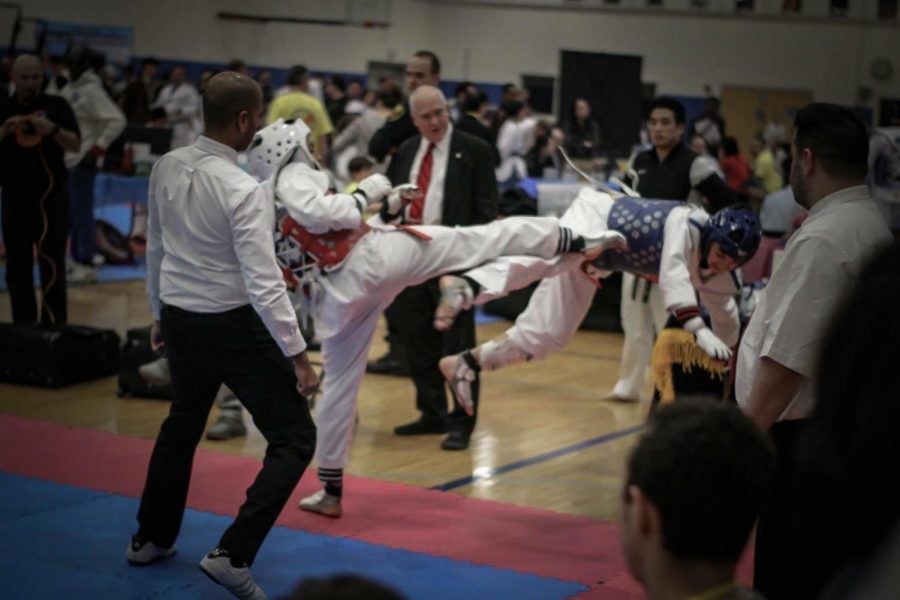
[421, 427]
[456, 440]
[389, 364]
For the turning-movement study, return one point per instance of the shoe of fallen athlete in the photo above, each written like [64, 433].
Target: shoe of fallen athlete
[459, 375]
[156, 372]
[456, 295]
[322, 503]
[226, 428]
[237, 580]
[142, 552]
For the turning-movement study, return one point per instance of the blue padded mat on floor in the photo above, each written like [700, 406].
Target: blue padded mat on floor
[69, 542]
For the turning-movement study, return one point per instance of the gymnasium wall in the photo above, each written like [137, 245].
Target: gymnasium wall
[681, 54]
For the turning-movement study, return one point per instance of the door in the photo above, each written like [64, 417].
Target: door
[748, 110]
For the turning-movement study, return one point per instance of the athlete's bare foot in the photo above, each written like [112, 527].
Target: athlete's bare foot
[456, 295]
[460, 375]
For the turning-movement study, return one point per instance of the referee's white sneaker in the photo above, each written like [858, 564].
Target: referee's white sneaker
[141, 552]
[237, 580]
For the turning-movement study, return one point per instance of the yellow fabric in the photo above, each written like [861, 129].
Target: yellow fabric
[677, 346]
[764, 168]
[297, 105]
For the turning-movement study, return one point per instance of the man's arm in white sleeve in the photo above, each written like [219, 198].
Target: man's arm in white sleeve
[674, 272]
[154, 243]
[723, 312]
[774, 387]
[252, 226]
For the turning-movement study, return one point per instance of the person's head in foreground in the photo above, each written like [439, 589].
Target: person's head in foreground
[694, 485]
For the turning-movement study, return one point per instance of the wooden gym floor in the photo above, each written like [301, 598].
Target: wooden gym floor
[544, 437]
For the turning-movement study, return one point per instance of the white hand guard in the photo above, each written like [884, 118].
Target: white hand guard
[375, 187]
[399, 198]
[712, 345]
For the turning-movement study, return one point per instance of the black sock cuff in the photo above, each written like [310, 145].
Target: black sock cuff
[334, 489]
[330, 475]
[470, 361]
[565, 240]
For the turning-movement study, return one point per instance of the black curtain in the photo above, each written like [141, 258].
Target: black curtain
[611, 83]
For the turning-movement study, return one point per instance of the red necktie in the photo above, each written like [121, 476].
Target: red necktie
[422, 181]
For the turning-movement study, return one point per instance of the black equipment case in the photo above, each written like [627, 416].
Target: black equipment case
[56, 355]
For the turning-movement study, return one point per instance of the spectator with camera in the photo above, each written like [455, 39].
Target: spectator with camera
[36, 129]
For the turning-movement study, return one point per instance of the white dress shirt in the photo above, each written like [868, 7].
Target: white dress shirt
[821, 263]
[210, 244]
[433, 211]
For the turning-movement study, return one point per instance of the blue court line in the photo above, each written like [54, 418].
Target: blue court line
[484, 474]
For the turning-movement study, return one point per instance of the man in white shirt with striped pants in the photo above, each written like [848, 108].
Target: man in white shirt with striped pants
[221, 309]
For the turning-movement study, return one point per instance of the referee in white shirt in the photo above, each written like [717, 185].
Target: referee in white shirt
[222, 312]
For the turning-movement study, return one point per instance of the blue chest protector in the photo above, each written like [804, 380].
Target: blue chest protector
[642, 222]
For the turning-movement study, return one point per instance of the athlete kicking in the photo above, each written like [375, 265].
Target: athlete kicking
[691, 254]
[347, 271]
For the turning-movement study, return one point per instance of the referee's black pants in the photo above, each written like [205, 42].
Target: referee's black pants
[204, 351]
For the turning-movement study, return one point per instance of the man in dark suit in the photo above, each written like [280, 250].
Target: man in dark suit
[424, 68]
[455, 175]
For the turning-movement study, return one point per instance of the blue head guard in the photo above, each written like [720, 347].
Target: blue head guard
[737, 232]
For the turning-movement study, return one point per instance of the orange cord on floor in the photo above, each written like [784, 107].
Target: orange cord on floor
[40, 243]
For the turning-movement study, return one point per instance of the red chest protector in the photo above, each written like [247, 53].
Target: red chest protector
[329, 249]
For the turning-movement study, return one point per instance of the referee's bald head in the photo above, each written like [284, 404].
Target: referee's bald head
[226, 96]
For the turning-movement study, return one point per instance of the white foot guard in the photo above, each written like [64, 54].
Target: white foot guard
[460, 370]
[456, 295]
[594, 247]
[322, 503]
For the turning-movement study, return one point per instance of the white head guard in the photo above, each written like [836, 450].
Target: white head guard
[277, 144]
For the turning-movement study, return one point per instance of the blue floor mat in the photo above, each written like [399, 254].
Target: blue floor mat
[65, 541]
